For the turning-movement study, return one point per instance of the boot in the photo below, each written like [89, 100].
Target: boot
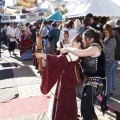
[94, 117]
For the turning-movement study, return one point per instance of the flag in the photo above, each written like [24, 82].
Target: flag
[2, 2]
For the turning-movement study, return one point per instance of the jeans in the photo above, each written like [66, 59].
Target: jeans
[114, 70]
[110, 74]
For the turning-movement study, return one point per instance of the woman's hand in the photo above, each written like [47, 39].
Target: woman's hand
[40, 55]
[64, 50]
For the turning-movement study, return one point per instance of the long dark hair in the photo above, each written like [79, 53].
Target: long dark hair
[70, 24]
[91, 33]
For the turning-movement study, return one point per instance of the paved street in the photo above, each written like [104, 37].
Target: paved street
[24, 81]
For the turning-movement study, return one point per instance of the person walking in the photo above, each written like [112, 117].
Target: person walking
[12, 39]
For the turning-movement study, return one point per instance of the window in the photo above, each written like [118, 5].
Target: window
[5, 17]
[22, 16]
[12, 17]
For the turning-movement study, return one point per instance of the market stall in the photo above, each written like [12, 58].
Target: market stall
[96, 7]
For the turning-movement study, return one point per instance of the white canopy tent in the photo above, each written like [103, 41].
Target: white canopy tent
[116, 2]
[71, 4]
[96, 7]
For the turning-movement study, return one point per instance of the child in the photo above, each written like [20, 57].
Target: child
[26, 44]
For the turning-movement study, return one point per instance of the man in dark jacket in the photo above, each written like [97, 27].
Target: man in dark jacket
[93, 23]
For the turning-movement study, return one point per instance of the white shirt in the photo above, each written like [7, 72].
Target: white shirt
[61, 34]
[70, 57]
[64, 45]
[72, 32]
[11, 31]
[17, 33]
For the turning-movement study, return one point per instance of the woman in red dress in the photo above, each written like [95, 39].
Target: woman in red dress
[61, 69]
[26, 45]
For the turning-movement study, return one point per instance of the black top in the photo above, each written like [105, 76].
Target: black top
[94, 25]
[94, 66]
[118, 29]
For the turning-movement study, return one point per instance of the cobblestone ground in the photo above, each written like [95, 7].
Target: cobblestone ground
[26, 82]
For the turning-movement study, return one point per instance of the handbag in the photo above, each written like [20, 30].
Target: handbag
[26, 55]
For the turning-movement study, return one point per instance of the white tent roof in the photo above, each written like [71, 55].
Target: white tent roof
[116, 2]
[96, 7]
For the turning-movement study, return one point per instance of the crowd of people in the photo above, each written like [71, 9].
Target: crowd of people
[92, 46]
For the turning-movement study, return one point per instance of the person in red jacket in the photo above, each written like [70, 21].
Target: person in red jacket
[26, 43]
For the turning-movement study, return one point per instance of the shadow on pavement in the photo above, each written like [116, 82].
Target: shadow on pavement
[23, 71]
[5, 64]
[6, 74]
[25, 62]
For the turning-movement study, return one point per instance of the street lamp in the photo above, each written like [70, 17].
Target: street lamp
[0, 35]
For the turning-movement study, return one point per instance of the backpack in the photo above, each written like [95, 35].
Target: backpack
[46, 36]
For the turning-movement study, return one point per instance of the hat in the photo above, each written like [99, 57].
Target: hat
[112, 23]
